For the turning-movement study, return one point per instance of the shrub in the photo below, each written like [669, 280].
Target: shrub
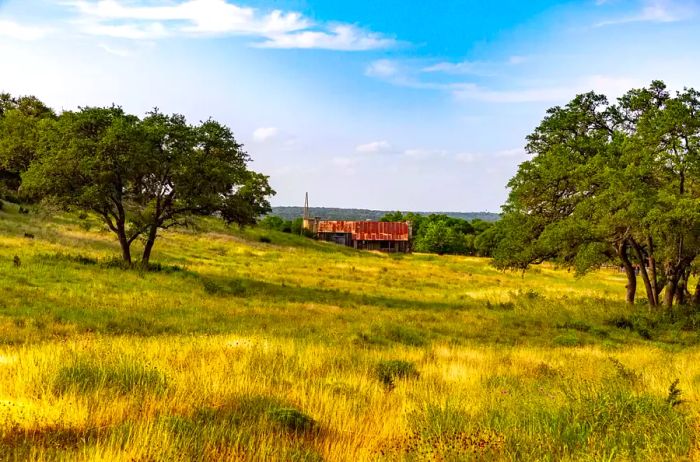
[674, 394]
[388, 371]
[406, 335]
[292, 420]
[568, 339]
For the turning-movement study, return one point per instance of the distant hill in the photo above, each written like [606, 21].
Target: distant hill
[332, 213]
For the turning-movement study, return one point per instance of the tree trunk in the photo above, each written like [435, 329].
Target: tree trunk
[651, 294]
[672, 277]
[680, 292]
[652, 270]
[124, 242]
[629, 270]
[152, 233]
[126, 248]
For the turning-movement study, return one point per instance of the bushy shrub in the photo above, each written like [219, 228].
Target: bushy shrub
[292, 420]
[389, 371]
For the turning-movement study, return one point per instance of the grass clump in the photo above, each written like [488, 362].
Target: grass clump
[387, 372]
[569, 339]
[443, 432]
[610, 421]
[87, 375]
[292, 420]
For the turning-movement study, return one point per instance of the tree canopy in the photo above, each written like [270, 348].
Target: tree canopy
[611, 184]
[140, 175]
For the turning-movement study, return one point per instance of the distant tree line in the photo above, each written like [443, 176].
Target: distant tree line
[441, 234]
[434, 233]
[334, 213]
[140, 175]
[612, 184]
[275, 223]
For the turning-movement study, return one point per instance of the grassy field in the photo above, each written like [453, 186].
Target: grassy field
[235, 349]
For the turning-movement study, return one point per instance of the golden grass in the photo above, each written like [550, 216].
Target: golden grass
[225, 352]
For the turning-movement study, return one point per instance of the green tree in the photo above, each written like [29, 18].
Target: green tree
[20, 127]
[194, 170]
[91, 159]
[141, 176]
[611, 183]
[438, 237]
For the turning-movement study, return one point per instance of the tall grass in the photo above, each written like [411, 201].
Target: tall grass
[236, 349]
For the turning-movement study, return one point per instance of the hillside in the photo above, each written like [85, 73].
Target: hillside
[295, 350]
[331, 213]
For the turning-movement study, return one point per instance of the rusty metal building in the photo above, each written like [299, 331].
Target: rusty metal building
[365, 235]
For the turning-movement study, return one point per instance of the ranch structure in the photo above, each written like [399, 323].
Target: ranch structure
[364, 235]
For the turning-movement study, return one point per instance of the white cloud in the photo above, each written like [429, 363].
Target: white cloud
[129, 50]
[277, 29]
[420, 153]
[466, 157]
[197, 16]
[659, 11]
[607, 85]
[127, 31]
[374, 147]
[463, 67]
[117, 51]
[264, 134]
[339, 37]
[505, 155]
[382, 68]
[480, 68]
[516, 59]
[14, 30]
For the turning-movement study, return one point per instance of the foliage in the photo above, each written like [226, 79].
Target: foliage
[389, 371]
[611, 184]
[443, 234]
[141, 176]
[331, 213]
[21, 124]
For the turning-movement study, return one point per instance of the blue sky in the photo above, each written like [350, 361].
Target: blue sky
[383, 104]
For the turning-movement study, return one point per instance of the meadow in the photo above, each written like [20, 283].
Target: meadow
[262, 346]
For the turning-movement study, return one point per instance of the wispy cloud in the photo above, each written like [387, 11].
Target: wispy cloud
[382, 68]
[275, 29]
[659, 11]
[422, 153]
[264, 134]
[607, 85]
[373, 147]
[480, 68]
[17, 31]
[340, 37]
[464, 88]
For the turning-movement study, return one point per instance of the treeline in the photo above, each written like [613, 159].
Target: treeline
[334, 213]
[441, 234]
[275, 223]
[612, 184]
[140, 175]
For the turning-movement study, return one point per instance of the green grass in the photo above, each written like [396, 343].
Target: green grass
[235, 348]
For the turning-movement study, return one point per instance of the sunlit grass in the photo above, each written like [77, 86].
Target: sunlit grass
[233, 349]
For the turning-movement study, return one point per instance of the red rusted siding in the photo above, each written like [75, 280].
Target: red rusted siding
[367, 230]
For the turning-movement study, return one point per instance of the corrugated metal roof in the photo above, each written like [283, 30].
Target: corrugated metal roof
[367, 230]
